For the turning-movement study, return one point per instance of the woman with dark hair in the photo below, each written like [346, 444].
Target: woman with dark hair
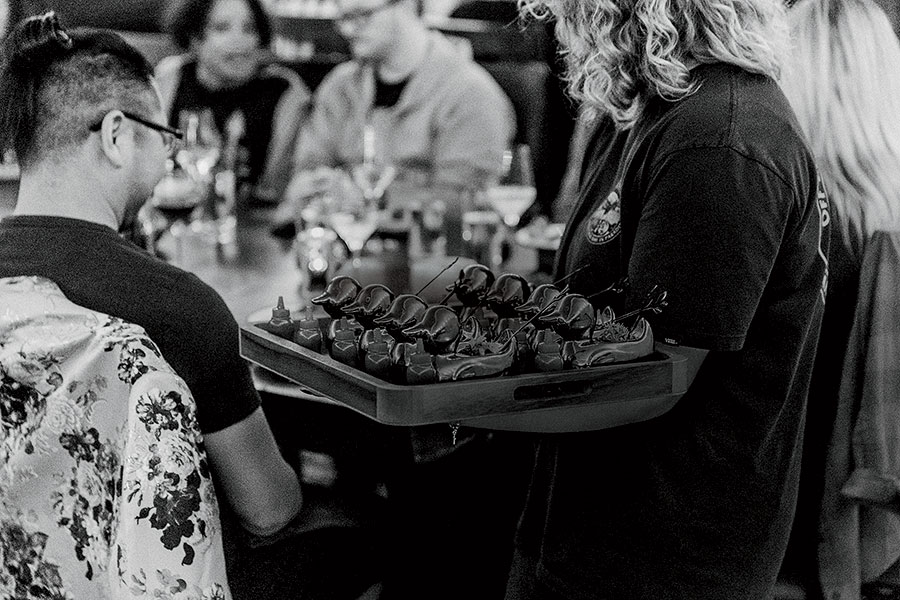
[224, 69]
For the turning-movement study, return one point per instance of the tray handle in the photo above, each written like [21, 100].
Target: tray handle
[558, 391]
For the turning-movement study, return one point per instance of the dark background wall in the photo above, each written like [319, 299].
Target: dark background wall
[131, 15]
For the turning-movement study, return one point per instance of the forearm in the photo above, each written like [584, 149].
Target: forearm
[259, 485]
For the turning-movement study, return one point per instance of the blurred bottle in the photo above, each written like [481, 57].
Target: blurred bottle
[226, 181]
[460, 201]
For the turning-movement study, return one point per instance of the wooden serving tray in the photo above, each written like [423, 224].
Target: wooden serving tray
[572, 400]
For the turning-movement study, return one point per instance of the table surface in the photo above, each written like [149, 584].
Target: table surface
[262, 267]
[249, 277]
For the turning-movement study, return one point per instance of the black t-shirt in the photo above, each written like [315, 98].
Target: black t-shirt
[388, 94]
[714, 199]
[257, 100]
[188, 320]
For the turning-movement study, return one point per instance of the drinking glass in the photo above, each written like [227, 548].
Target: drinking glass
[225, 184]
[373, 180]
[317, 256]
[511, 201]
[373, 176]
[515, 192]
[202, 144]
[175, 198]
[479, 235]
[355, 222]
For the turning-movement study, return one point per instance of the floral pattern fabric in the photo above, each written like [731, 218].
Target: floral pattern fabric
[105, 487]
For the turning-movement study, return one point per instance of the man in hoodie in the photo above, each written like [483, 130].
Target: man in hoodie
[431, 112]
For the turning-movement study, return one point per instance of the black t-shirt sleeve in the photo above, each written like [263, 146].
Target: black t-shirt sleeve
[207, 357]
[710, 229]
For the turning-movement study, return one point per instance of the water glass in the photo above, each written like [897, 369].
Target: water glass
[480, 230]
[318, 255]
[225, 202]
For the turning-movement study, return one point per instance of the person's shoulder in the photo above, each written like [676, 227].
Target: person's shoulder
[458, 74]
[341, 86]
[168, 75]
[189, 294]
[169, 288]
[281, 73]
[452, 63]
[171, 66]
[737, 111]
[344, 75]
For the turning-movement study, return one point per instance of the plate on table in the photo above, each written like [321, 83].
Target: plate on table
[540, 235]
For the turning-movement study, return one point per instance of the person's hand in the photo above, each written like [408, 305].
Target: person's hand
[310, 183]
[312, 194]
[303, 189]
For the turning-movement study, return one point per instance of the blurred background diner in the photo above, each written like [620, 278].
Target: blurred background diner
[843, 82]
[227, 70]
[385, 138]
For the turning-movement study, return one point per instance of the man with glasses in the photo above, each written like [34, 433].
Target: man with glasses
[83, 114]
[432, 113]
[170, 135]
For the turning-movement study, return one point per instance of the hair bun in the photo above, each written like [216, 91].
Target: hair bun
[37, 41]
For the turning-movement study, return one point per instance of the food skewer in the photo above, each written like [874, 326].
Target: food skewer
[544, 311]
[570, 275]
[655, 304]
[433, 279]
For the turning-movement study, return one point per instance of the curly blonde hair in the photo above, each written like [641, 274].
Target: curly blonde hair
[622, 53]
[842, 82]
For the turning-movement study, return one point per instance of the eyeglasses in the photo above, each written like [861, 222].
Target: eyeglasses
[170, 135]
[361, 16]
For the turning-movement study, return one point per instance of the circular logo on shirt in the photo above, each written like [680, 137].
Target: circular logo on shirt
[605, 222]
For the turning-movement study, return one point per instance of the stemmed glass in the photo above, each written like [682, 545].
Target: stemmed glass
[175, 198]
[355, 220]
[202, 143]
[516, 192]
[512, 197]
[372, 176]
[511, 202]
[200, 153]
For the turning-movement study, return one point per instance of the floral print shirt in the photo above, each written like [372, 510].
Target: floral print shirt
[105, 486]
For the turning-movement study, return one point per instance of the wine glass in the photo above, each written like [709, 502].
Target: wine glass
[355, 222]
[175, 198]
[516, 192]
[202, 144]
[373, 176]
[373, 179]
[316, 254]
[511, 201]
